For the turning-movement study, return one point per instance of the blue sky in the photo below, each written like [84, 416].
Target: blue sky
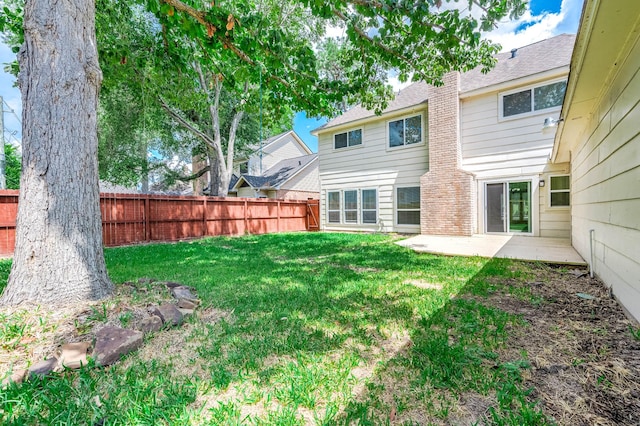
[543, 19]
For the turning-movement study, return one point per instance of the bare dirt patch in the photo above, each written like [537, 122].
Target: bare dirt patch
[584, 355]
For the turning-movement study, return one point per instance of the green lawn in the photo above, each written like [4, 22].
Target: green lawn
[315, 328]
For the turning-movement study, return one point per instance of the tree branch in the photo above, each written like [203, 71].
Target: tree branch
[186, 123]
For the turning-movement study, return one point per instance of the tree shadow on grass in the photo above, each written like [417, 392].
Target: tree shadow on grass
[323, 325]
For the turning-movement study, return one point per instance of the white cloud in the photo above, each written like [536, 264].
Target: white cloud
[532, 28]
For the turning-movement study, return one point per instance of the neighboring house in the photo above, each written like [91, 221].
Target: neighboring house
[273, 150]
[283, 167]
[600, 136]
[467, 157]
[290, 179]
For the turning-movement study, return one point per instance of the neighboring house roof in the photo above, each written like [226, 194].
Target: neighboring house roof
[117, 189]
[273, 139]
[277, 175]
[532, 59]
[233, 181]
[536, 58]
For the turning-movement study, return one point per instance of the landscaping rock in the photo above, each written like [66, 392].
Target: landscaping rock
[186, 312]
[43, 368]
[146, 281]
[183, 292]
[171, 284]
[169, 314]
[74, 355]
[187, 304]
[150, 324]
[114, 342]
[17, 376]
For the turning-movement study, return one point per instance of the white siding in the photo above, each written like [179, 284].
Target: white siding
[307, 180]
[606, 186]
[555, 222]
[371, 166]
[246, 192]
[511, 149]
[493, 148]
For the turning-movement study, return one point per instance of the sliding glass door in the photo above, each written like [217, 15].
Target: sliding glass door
[508, 207]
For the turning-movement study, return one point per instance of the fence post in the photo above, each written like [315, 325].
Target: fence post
[147, 221]
[205, 231]
[278, 221]
[246, 223]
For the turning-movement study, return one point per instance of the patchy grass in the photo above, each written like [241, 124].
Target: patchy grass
[300, 329]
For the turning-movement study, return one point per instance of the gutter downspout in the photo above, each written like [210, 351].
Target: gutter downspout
[591, 234]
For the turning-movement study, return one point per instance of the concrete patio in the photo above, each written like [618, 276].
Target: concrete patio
[551, 250]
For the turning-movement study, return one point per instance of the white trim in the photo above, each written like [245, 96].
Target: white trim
[533, 111]
[559, 72]
[361, 122]
[423, 131]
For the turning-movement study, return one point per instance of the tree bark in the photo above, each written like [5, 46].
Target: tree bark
[58, 257]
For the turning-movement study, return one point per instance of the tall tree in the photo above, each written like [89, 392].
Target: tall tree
[58, 255]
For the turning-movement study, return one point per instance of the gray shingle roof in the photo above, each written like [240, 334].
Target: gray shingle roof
[281, 172]
[415, 94]
[535, 58]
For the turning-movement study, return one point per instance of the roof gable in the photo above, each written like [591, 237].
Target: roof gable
[529, 60]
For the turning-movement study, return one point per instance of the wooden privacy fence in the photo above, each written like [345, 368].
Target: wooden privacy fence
[138, 218]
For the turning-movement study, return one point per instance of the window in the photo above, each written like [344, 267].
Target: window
[408, 206]
[333, 207]
[406, 131]
[351, 138]
[351, 206]
[533, 99]
[244, 167]
[559, 189]
[369, 206]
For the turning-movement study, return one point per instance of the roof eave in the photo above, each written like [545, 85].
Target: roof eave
[522, 81]
[359, 122]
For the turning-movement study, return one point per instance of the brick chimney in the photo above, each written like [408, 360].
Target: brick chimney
[447, 193]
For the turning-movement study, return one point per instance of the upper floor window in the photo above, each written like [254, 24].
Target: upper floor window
[533, 99]
[244, 167]
[351, 138]
[559, 189]
[405, 131]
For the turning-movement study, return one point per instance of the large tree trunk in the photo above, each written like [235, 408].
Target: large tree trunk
[58, 257]
[214, 175]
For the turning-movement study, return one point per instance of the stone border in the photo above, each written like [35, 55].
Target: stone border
[111, 343]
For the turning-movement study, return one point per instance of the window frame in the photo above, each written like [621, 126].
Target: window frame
[361, 129]
[397, 209]
[362, 209]
[530, 88]
[345, 210]
[556, 191]
[329, 210]
[404, 118]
